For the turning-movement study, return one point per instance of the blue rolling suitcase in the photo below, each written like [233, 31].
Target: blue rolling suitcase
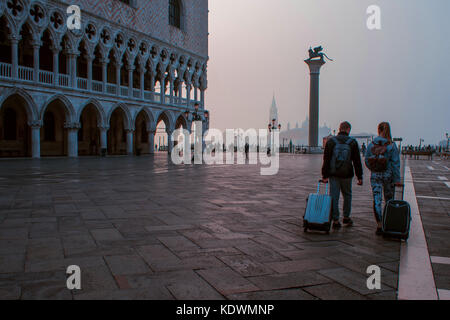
[318, 211]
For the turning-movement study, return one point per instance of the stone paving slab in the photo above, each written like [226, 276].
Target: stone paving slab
[141, 228]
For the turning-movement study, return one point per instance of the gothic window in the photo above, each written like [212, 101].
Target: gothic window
[10, 124]
[175, 13]
[49, 126]
[5, 46]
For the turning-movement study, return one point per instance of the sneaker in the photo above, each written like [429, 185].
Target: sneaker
[348, 222]
[379, 232]
[336, 224]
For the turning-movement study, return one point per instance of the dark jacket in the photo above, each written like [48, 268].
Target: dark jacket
[356, 157]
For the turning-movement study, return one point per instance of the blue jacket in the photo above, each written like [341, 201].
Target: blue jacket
[392, 156]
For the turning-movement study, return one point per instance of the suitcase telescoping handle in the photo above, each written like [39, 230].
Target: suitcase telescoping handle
[400, 185]
[318, 187]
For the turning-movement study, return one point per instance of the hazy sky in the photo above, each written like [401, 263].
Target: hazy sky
[400, 73]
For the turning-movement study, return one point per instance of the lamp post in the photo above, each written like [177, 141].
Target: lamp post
[446, 135]
[198, 121]
[272, 127]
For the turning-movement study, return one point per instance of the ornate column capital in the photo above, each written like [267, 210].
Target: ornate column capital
[14, 39]
[72, 125]
[130, 67]
[103, 127]
[35, 124]
[104, 61]
[55, 49]
[89, 57]
[314, 65]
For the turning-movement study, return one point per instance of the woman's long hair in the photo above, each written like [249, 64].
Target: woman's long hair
[384, 130]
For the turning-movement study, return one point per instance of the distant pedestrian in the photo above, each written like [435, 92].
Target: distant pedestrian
[383, 160]
[247, 149]
[342, 159]
[363, 149]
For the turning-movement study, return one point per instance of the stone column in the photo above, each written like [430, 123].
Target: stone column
[130, 68]
[55, 66]
[188, 94]
[73, 69]
[314, 68]
[36, 47]
[169, 140]
[202, 98]
[14, 58]
[118, 66]
[130, 141]
[180, 93]
[163, 91]
[89, 59]
[72, 139]
[141, 76]
[171, 83]
[151, 141]
[103, 138]
[195, 93]
[152, 87]
[35, 139]
[104, 73]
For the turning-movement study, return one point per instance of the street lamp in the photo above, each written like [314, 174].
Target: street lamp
[446, 135]
[196, 117]
[272, 127]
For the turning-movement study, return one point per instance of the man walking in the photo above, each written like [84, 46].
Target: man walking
[341, 161]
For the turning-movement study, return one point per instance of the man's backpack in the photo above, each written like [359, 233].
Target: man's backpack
[341, 160]
[377, 161]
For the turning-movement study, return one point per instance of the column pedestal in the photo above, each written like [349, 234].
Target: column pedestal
[72, 140]
[169, 141]
[35, 140]
[103, 141]
[130, 142]
[313, 138]
[151, 141]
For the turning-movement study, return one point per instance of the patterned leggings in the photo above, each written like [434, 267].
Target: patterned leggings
[381, 182]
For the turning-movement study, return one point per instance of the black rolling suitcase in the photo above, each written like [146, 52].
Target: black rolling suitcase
[397, 218]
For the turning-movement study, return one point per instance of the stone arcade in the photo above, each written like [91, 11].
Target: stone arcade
[132, 65]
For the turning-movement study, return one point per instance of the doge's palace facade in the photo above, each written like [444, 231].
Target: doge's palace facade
[104, 86]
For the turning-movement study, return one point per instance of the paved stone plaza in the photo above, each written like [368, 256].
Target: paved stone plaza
[431, 181]
[142, 228]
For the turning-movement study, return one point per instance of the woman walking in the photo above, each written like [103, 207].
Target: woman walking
[383, 160]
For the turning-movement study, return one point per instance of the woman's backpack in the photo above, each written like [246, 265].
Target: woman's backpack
[377, 161]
